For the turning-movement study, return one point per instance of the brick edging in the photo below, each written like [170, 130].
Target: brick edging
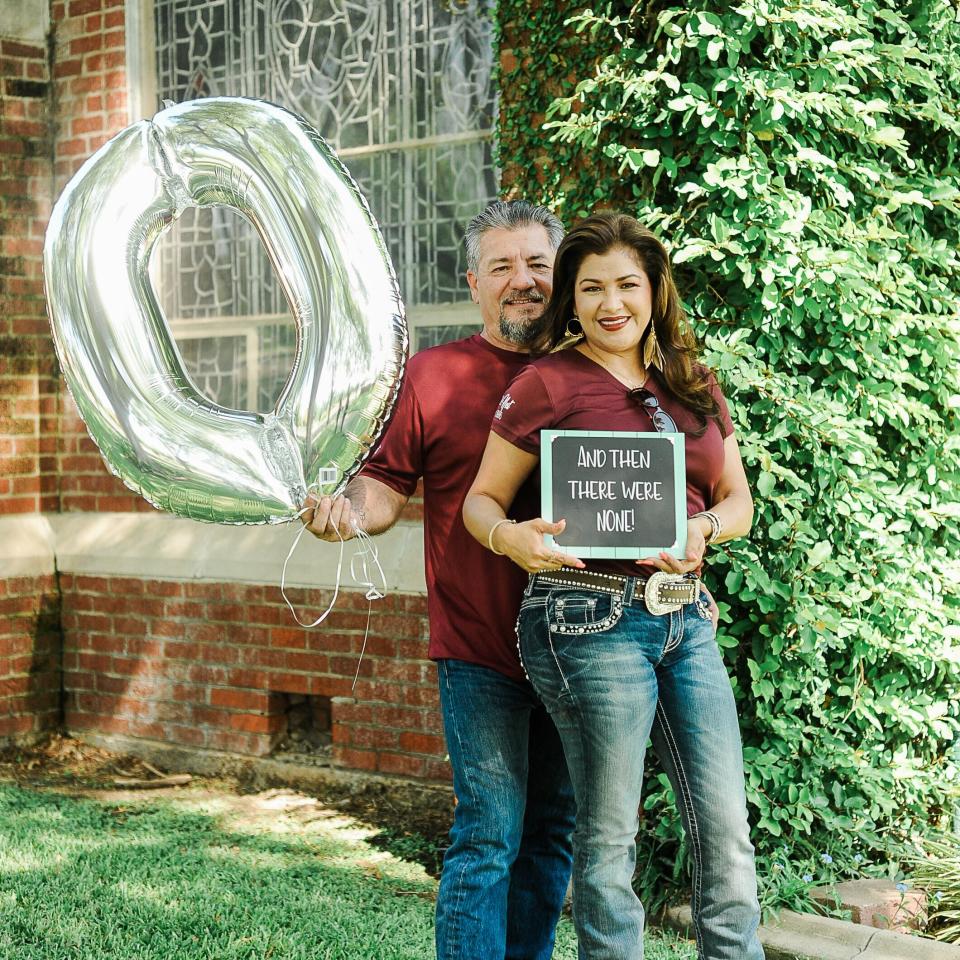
[264, 772]
[801, 936]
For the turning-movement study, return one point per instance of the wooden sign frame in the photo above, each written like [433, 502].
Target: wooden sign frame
[628, 549]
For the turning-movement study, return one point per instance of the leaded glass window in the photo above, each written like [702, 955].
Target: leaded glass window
[402, 89]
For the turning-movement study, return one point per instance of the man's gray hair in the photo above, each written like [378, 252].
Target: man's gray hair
[509, 215]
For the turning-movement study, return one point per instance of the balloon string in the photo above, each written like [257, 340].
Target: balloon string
[368, 550]
[283, 577]
[360, 571]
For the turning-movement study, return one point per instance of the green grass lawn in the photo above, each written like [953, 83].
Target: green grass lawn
[201, 876]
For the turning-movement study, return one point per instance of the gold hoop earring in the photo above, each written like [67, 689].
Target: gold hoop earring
[652, 354]
[574, 328]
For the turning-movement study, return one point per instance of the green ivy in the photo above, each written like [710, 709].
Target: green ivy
[801, 162]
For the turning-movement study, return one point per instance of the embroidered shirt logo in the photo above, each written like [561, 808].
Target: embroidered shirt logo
[506, 402]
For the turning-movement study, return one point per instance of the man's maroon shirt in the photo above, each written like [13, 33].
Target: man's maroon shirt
[438, 432]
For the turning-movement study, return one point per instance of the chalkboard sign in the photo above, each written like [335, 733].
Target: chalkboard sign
[623, 495]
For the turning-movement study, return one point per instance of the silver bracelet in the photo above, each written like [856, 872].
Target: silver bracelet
[716, 525]
[493, 549]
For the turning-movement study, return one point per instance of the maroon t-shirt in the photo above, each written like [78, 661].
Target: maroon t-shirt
[438, 432]
[569, 391]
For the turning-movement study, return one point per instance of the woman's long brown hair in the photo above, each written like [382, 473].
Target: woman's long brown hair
[598, 234]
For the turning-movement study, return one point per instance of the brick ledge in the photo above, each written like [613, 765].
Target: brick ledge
[27, 546]
[163, 547]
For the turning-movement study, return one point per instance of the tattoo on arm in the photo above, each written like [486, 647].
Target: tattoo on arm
[357, 494]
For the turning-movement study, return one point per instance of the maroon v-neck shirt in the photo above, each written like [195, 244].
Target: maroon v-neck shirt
[569, 391]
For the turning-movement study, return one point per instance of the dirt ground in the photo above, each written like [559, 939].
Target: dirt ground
[403, 822]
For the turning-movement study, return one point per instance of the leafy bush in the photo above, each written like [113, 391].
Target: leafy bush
[801, 161]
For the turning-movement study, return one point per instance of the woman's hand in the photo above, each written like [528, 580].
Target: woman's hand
[503, 469]
[692, 557]
[523, 543]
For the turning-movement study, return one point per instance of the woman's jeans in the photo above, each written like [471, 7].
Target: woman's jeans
[612, 674]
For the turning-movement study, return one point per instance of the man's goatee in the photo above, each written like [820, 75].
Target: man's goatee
[521, 332]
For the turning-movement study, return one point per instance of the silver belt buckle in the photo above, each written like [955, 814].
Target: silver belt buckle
[651, 592]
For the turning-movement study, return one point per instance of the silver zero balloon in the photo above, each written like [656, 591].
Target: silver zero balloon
[156, 431]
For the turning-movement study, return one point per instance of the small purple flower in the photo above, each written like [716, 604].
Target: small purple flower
[857, 858]
[938, 896]
[903, 887]
[826, 858]
[807, 878]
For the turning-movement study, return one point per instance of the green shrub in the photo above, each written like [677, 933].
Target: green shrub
[801, 161]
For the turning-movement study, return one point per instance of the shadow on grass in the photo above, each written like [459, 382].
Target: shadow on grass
[413, 847]
[82, 879]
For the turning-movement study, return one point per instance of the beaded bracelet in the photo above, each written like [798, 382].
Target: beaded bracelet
[493, 549]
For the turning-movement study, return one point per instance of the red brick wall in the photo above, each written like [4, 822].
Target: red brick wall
[29, 627]
[90, 84]
[203, 664]
[28, 383]
[29, 656]
[47, 461]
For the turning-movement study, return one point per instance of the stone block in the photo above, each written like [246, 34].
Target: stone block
[801, 936]
[876, 903]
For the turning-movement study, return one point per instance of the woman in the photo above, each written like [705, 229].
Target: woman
[611, 673]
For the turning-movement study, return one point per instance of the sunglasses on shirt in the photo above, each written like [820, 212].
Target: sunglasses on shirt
[662, 420]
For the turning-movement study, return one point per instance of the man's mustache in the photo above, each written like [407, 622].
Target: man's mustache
[534, 297]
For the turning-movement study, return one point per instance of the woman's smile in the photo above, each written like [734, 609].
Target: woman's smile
[614, 323]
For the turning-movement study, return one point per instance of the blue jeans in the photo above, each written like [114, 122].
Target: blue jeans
[506, 871]
[611, 674]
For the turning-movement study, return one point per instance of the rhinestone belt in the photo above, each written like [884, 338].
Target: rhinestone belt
[660, 592]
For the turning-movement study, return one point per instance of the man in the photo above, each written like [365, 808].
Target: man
[506, 871]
